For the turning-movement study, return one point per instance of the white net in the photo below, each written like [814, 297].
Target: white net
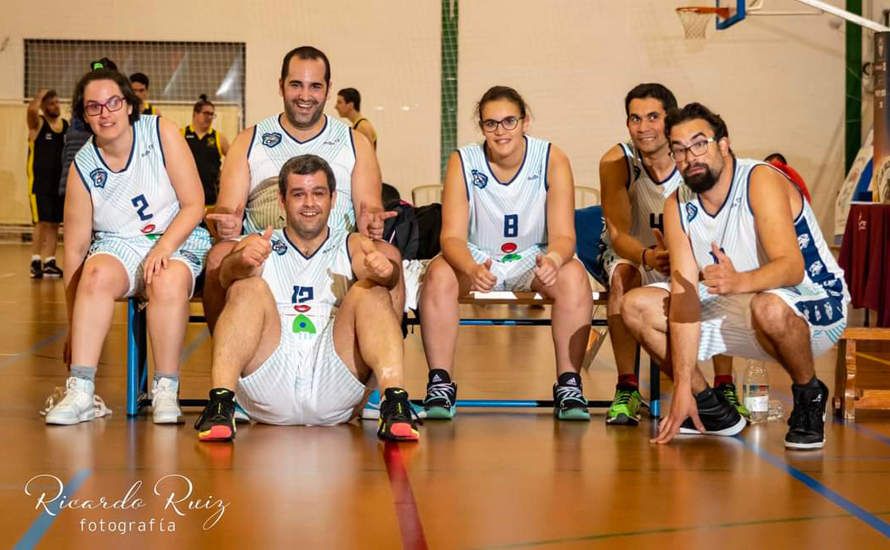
[695, 20]
[179, 72]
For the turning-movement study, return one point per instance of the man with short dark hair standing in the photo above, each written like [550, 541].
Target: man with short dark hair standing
[349, 105]
[46, 134]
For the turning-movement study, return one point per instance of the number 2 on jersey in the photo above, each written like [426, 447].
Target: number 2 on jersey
[511, 225]
[141, 204]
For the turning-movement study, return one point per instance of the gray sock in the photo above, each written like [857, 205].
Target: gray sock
[157, 377]
[84, 372]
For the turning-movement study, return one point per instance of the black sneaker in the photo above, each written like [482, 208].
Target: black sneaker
[51, 270]
[217, 421]
[441, 396]
[806, 426]
[36, 269]
[398, 421]
[569, 402]
[732, 397]
[718, 416]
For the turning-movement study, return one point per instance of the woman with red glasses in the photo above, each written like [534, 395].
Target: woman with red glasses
[132, 209]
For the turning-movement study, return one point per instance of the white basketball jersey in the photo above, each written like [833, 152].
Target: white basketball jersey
[511, 216]
[733, 229]
[647, 198]
[138, 200]
[308, 290]
[272, 146]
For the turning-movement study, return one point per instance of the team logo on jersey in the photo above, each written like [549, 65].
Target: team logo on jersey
[99, 177]
[148, 229]
[211, 142]
[691, 211]
[303, 325]
[816, 268]
[803, 240]
[271, 139]
[511, 258]
[302, 308]
[480, 180]
[279, 247]
[508, 248]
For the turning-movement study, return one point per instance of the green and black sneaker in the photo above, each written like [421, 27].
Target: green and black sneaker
[441, 396]
[729, 393]
[569, 402]
[625, 408]
[217, 421]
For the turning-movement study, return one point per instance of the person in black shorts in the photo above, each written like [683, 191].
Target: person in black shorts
[208, 147]
[46, 134]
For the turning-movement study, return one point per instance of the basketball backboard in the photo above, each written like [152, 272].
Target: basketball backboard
[736, 13]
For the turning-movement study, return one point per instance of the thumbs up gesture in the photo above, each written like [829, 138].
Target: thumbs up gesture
[481, 278]
[378, 265]
[721, 277]
[256, 248]
[546, 269]
[659, 258]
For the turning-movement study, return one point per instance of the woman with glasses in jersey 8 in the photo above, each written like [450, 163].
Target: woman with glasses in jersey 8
[132, 209]
[507, 225]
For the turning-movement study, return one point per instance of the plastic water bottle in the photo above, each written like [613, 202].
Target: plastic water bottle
[756, 391]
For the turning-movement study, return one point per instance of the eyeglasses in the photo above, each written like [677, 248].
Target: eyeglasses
[208, 114]
[508, 123]
[113, 103]
[678, 152]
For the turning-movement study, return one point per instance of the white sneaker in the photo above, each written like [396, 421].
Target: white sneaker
[77, 405]
[59, 393]
[165, 402]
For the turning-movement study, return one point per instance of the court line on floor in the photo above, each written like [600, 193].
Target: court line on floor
[815, 485]
[44, 521]
[34, 348]
[406, 507]
[663, 530]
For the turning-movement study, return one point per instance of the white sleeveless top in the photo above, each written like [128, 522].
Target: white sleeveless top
[511, 216]
[733, 229]
[137, 200]
[308, 290]
[647, 198]
[272, 146]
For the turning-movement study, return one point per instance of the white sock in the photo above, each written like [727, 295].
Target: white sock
[35, 257]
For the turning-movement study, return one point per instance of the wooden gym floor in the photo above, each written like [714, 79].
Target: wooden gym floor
[489, 479]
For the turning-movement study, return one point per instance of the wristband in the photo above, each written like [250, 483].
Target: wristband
[643, 259]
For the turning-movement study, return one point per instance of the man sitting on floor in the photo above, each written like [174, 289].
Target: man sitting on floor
[308, 318]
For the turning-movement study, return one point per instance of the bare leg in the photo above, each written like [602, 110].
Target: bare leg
[572, 310]
[624, 279]
[439, 314]
[214, 295]
[368, 335]
[167, 313]
[37, 238]
[247, 332]
[102, 281]
[644, 311]
[722, 365]
[49, 238]
[783, 335]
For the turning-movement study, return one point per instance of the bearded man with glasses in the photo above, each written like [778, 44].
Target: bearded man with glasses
[751, 276]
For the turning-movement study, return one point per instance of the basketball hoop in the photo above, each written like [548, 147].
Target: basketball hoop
[695, 19]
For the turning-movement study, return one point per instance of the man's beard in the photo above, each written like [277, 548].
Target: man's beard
[701, 182]
[290, 112]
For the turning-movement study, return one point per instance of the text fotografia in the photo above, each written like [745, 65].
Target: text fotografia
[175, 492]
